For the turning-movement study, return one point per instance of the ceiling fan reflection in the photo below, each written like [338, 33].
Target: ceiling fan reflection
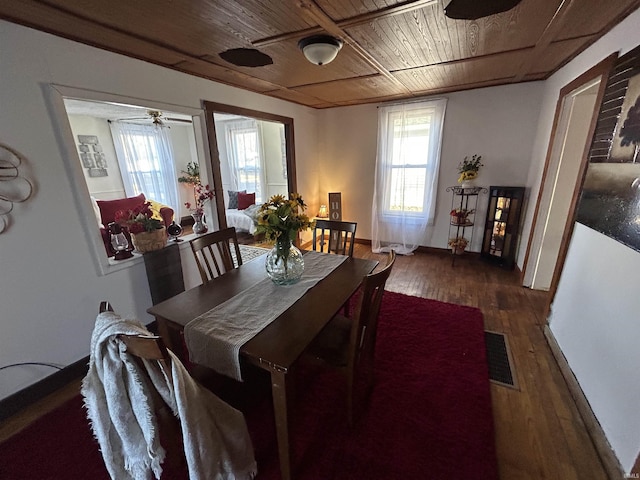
[158, 119]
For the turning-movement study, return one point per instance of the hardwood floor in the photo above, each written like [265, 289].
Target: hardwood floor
[539, 432]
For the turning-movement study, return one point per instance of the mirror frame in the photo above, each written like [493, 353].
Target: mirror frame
[212, 107]
[55, 95]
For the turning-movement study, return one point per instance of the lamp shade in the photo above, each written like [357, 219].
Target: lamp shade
[323, 213]
[320, 49]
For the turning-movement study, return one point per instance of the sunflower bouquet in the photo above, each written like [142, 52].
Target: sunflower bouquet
[280, 219]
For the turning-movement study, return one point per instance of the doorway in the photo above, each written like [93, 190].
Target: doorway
[554, 216]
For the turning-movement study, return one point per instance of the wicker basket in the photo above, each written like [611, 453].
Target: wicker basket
[150, 241]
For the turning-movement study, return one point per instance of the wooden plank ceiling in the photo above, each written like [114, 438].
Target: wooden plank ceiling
[392, 49]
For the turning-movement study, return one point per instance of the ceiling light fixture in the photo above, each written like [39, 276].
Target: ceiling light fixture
[320, 49]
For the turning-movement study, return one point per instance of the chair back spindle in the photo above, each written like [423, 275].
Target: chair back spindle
[334, 237]
[213, 255]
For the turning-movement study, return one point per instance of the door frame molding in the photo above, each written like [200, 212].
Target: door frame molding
[602, 70]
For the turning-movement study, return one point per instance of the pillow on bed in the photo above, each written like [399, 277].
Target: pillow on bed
[246, 200]
[233, 198]
[252, 212]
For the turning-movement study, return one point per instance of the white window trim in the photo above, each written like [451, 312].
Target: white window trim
[398, 216]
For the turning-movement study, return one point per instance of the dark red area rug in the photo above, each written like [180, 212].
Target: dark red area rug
[429, 416]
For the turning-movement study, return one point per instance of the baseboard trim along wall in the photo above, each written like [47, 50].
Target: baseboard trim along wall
[607, 457]
[27, 396]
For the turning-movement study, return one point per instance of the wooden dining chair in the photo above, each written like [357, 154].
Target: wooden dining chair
[334, 237]
[213, 253]
[152, 348]
[348, 344]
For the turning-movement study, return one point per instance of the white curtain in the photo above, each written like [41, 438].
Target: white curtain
[244, 152]
[407, 163]
[146, 161]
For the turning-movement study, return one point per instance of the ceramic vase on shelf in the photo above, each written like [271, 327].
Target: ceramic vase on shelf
[150, 241]
[199, 227]
[284, 263]
[468, 183]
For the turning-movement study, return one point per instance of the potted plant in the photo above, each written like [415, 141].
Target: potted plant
[458, 245]
[191, 175]
[468, 170]
[147, 233]
[460, 216]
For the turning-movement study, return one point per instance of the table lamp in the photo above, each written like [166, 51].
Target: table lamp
[323, 213]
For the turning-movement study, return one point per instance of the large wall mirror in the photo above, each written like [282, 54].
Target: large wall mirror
[120, 147]
[253, 158]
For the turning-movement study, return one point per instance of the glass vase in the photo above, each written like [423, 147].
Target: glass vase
[284, 263]
[199, 227]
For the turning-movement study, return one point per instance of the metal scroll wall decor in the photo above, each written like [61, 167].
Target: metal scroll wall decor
[13, 187]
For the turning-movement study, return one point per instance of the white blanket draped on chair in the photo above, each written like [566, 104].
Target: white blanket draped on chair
[215, 436]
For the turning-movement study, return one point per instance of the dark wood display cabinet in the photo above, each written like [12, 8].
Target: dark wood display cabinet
[502, 227]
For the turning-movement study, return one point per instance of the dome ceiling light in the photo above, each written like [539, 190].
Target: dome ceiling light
[320, 49]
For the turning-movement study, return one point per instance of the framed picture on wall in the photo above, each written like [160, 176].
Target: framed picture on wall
[88, 139]
[101, 161]
[335, 206]
[611, 192]
[87, 160]
[98, 172]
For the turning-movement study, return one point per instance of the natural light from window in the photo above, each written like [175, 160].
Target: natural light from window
[245, 144]
[408, 169]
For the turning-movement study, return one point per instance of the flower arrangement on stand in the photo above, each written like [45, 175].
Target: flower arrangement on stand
[468, 169]
[191, 174]
[147, 233]
[460, 216]
[280, 220]
[458, 245]
[202, 194]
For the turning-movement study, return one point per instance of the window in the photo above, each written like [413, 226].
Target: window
[244, 147]
[146, 161]
[408, 143]
[409, 138]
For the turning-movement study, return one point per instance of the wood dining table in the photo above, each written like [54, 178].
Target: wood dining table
[278, 346]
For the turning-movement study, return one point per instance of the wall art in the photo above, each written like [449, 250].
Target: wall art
[91, 156]
[610, 196]
[14, 188]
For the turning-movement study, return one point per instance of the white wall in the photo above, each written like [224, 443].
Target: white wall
[111, 186]
[183, 145]
[50, 287]
[498, 123]
[595, 312]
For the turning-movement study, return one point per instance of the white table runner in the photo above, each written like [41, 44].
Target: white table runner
[215, 337]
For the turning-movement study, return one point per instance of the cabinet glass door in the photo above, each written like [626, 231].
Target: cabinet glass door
[502, 225]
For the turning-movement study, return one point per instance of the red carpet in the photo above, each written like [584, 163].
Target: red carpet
[429, 416]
